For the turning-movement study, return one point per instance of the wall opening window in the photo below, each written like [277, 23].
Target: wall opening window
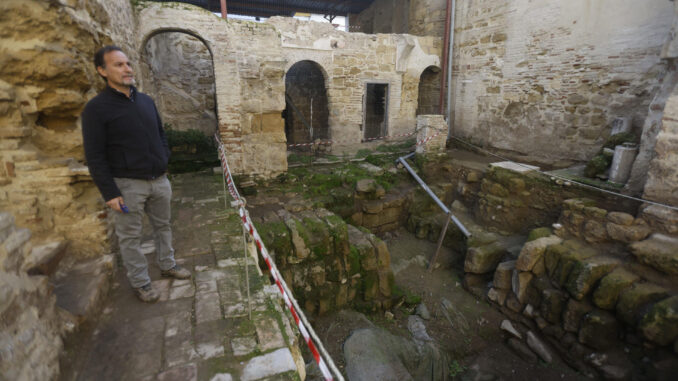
[306, 112]
[375, 111]
[429, 91]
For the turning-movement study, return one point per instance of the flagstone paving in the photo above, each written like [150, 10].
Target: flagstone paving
[200, 329]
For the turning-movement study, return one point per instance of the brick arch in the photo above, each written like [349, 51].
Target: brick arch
[154, 32]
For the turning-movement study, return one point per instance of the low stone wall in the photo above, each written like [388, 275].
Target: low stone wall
[594, 283]
[30, 327]
[327, 263]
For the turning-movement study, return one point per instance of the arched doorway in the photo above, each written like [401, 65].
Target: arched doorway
[429, 91]
[179, 74]
[306, 112]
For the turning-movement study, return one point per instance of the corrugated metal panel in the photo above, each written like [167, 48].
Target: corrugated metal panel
[267, 8]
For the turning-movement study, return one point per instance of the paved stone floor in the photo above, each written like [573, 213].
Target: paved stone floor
[199, 330]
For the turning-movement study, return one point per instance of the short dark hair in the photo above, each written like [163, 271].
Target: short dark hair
[99, 56]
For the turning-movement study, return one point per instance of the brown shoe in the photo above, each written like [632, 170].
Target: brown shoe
[147, 294]
[176, 272]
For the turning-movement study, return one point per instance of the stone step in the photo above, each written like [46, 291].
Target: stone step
[44, 259]
[81, 289]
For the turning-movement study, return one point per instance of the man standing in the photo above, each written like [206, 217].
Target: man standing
[127, 156]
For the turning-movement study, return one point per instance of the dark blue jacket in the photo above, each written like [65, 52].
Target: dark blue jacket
[123, 137]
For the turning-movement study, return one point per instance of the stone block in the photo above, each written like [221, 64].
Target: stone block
[611, 285]
[483, 259]
[498, 295]
[594, 231]
[659, 251]
[552, 303]
[660, 324]
[627, 234]
[598, 330]
[520, 284]
[44, 259]
[533, 251]
[522, 350]
[586, 273]
[207, 307]
[567, 256]
[633, 299]
[574, 311]
[620, 218]
[503, 275]
[243, 346]
[539, 347]
[268, 334]
[270, 364]
[539, 233]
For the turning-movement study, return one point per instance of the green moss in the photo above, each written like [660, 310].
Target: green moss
[539, 233]
[619, 139]
[354, 258]
[597, 165]
[398, 147]
[295, 158]
[362, 153]
[409, 298]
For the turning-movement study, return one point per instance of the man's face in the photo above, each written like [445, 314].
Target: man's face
[117, 70]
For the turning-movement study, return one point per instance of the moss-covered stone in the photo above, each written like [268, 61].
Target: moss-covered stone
[318, 236]
[539, 233]
[598, 330]
[574, 253]
[572, 316]
[503, 275]
[533, 251]
[585, 273]
[276, 237]
[611, 285]
[370, 285]
[633, 299]
[659, 251]
[552, 302]
[597, 166]
[660, 325]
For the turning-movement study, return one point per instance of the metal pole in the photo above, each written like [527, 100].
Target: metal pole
[247, 272]
[224, 11]
[440, 243]
[449, 72]
[446, 44]
[435, 198]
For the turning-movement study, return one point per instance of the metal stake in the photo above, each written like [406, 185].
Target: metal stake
[247, 273]
[432, 263]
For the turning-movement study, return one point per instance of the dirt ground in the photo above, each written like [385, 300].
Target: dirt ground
[471, 336]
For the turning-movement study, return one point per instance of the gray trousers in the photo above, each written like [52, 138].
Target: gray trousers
[152, 197]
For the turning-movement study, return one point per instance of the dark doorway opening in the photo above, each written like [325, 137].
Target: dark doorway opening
[376, 110]
[429, 91]
[306, 112]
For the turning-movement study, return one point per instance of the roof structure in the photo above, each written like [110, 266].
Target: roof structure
[268, 8]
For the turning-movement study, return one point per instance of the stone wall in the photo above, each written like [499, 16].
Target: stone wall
[179, 75]
[30, 328]
[584, 289]
[417, 17]
[528, 72]
[250, 82]
[46, 77]
[328, 264]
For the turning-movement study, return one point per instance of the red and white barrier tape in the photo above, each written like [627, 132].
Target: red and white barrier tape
[279, 281]
[424, 141]
[330, 142]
